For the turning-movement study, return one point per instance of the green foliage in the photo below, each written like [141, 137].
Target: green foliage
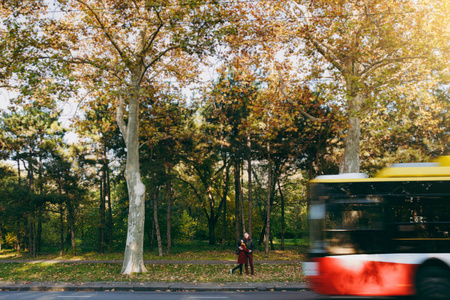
[187, 227]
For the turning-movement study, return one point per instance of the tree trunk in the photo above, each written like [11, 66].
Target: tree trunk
[108, 195]
[269, 191]
[224, 224]
[61, 230]
[272, 247]
[71, 215]
[283, 222]
[39, 233]
[152, 237]
[241, 201]
[237, 190]
[155, 219]
[262, 234]
[350, 160]
[72, 235]
[102, 208]
[17, 245]
[212, 220]
[32, 236]
[19, 177]
[224, 199]
[149, 226]
[169, 208]
[212, 230]
[30, 250]
[133, 261]
[39, 211]
[250, 187]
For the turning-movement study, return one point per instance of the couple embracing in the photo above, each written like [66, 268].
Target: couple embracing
[245, 251]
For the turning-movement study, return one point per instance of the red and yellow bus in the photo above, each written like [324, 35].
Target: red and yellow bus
[381, 236]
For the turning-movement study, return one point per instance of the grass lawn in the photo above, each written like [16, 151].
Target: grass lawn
[192, 251]
[290, 271]
[44, 272]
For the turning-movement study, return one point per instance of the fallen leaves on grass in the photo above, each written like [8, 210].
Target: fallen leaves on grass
[156, 273]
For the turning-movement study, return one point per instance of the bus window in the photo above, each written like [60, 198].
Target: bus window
[420, 224]
[348, 225]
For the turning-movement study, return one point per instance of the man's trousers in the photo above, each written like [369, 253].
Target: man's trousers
[249, 261]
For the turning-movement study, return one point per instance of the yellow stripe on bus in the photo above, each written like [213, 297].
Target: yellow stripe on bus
[380, 179]
[423, 239]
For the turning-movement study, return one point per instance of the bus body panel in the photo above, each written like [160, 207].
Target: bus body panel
[368, 275]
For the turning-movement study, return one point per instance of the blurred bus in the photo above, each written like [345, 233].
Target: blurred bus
[381, 236]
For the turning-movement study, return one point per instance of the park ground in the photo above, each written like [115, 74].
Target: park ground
[191, 263]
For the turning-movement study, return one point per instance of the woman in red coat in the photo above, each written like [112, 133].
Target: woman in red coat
[242, 258]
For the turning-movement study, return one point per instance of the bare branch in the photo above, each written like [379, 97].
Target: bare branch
[78, 60]
[153, 36]
[384, 62]
[161, 54]
[322, 47]
[327, 53]
[102, 26]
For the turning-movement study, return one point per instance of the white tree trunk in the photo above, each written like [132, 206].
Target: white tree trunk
[134, 259]
[350, 159]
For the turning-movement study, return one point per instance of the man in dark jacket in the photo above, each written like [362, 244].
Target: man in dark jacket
[250, 246]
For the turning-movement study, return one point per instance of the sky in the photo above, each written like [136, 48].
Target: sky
[4, 98]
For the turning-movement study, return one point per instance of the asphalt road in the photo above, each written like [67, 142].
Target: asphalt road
[304, 295]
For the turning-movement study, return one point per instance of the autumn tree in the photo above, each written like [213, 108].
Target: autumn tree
[120, 47]
[364, 47]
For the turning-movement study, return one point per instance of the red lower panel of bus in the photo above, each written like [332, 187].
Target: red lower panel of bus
[338, 276]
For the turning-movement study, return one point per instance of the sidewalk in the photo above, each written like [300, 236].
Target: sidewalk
[151, 286]
[149, 262]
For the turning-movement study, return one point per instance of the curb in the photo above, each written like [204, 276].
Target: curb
[151, 287]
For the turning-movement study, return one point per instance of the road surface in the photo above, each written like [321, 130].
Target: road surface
[303, 295]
